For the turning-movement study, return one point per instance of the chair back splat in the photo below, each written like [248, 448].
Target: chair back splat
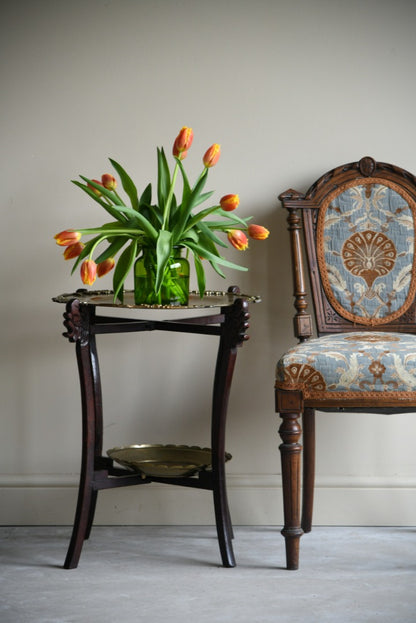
[358, 223]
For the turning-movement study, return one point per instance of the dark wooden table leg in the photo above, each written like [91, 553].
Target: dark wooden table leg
[78, 322]
[232, 336]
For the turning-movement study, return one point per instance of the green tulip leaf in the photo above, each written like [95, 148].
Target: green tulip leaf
[200, 216]
[112, 249]
[146, 196]
[104, 191]
[186, 186]
[191, 234]
[154, 215]
[163, 178]
[207, 255]
[140, 219]
[206, 232]
[127, 184]
[232, 219]
[200, 274]
[124, 265]
[187, 208]
[110, 209]
[203, 197]
[217, 269]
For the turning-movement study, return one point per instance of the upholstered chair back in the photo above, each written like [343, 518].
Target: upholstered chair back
[365, 250]
[359, 223]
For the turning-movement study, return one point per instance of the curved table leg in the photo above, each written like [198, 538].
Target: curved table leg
[233, 334]
[222, 513]
[77, 321]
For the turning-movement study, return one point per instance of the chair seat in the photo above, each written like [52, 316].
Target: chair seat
[351, 365]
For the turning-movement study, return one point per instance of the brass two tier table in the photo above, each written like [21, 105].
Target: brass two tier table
[225, 314]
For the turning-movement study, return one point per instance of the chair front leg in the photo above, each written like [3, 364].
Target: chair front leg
[290, 451]
[308, 425]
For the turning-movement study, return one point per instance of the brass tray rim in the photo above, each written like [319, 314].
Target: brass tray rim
[210, 299]
[185, 468]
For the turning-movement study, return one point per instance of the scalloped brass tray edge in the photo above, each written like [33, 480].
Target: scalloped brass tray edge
[103, 298]
[168, 461]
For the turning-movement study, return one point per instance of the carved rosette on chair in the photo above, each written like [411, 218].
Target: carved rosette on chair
[359, 228]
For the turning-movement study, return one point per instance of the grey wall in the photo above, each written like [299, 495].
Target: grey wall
[289, 89]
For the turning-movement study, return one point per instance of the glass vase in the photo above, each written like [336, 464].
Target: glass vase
[175, 283]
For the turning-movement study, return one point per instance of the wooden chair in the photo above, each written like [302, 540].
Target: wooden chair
[359, 224]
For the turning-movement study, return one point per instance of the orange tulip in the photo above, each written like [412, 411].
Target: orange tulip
[229, 202]
[212, 155]
[88, 272]
[95, 190]
[179, 154]
[108, 181]
[238, 239]
[67, 237]
[258, 232]
[183, 142]
[104, 267]
[73, 250]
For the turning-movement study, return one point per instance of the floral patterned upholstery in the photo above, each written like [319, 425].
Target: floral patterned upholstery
[365, 247]
[360, 364]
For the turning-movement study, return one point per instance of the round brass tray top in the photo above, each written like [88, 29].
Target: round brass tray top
[167, 461]
[104, 298]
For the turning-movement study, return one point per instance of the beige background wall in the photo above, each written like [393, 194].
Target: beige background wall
[290, 89]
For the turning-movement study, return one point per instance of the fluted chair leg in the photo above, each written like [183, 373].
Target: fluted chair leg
[290, 450]
[308, 485]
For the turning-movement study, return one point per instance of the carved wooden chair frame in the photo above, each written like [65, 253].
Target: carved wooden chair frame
[293, 404]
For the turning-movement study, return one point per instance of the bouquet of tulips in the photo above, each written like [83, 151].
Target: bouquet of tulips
[160, 226]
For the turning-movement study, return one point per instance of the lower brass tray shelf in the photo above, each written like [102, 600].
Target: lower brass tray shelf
[166, 461]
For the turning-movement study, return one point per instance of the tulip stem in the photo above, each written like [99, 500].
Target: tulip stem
[118, 196]
[95, 245]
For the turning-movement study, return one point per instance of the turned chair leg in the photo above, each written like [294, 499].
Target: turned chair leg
[308, 425]
[290, 450]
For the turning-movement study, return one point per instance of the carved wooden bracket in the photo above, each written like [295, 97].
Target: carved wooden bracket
[236, 323]
[76, 322]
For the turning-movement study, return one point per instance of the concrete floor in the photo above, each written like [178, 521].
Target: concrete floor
[165, 574]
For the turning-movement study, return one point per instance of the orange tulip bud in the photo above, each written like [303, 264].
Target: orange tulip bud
[238, 239]
[67, 237]
[108, 181]
[258, 232]
[73, 250]
[183, 142]
[95, 190]
[229, 202]
[88, 272]
[211, 155]
[177, 153]
[104, 267]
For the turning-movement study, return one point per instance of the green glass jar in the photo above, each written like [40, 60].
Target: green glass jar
[175, 283]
